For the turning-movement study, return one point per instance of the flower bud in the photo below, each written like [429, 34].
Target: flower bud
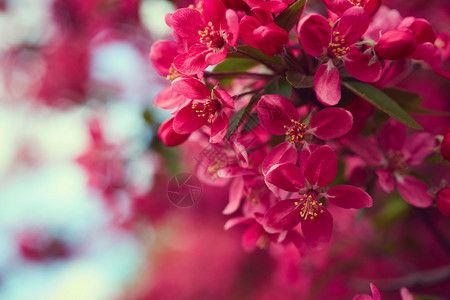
[396, 44]
[443, 201]
[445, 146]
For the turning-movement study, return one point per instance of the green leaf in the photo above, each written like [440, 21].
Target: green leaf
[290, 16]
[239, 117]
[251, 123]
[279, 86]
[233, 64]
[256, 53]
[300, 81]
[381, 101]
[410, 101]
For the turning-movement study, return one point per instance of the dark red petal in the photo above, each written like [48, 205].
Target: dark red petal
[358, 65]
[330, 123]
[275, 112]
[321, 167]
[187, 120]
[414, 191]
[168, 136]
[352, 25]
[284, 215]
[318, 231]
[287, 177]
[396, 44]
[347, 196]
[270, 38]
[280, 154]
[327, 84]
[314, 34]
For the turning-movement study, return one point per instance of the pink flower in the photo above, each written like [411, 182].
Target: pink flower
[208, 33]
[340, 6]
[204, 108]
[279, 116]
[318, 39]
[260, 32]
[317, 170]
[398, 152]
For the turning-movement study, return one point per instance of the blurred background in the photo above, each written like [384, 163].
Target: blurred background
[84, 209]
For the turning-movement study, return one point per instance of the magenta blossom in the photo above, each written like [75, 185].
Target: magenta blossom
[260, 32]
[206, 107]
[443, 201]
[317, 170]
[319, 39]
[168, 136]
[340, 6]
[394, 159]
[279, 116]
[207, 32]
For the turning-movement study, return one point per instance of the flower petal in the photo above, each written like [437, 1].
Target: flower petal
[191, 88]
[219, 128]
[314, 34]
[275, 112]
[367, 149]
[418, 146]
[352, 25]
[358, 65]
[287, 177]
[347, 196]
[187, 120]
[327, 84]
[280, 154]
[284, 215]
[385, 180]
[318, 231]
[414, 191]
[321, 167]
[330, 123]
[168, 136]
[235, 196]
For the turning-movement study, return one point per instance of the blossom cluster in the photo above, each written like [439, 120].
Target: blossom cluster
[282, 94]
[281, 142]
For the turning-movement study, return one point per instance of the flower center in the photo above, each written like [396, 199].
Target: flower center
[356, 2]
[397, 161]
[206, 109]
[309, 205]
[296, 132]
[211, 37]
[336, 47]
[173, 73]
